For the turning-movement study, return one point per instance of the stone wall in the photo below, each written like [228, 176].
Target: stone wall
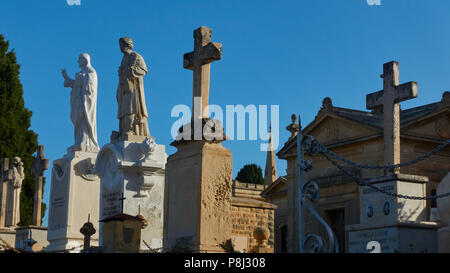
[250, 210]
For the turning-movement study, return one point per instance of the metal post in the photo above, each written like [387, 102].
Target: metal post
[299, 184]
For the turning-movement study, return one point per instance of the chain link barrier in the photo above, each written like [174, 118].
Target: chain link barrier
[315, 147]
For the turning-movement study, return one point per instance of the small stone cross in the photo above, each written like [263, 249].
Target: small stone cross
[205, 52]
[87, 230]
[38, 168]
[389, 99]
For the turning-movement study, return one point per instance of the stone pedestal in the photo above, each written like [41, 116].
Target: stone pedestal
[443, 208]
[198, 197]
[74, 195]
[132, 182]
[121, 234]
[398, 225]
[24, 234]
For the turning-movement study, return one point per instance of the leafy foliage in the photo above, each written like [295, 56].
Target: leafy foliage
[250, 173]
[15, 137]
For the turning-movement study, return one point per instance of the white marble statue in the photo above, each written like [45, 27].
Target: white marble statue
[18, 176]
[132, 112]
[83, 102]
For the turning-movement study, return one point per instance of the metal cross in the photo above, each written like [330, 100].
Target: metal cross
[205, 52]
[389, 99]
[121, 199]
[38, 168]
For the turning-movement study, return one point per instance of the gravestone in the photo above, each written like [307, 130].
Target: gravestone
[38, 168]
[122, 233]
[75, 190]
[132, 166]
[35, 233]
[199, 175]
[7, 234]
[396, 224]
[132, 181]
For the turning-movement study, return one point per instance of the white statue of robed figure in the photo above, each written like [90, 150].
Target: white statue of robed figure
[18, 176]
[83, 102]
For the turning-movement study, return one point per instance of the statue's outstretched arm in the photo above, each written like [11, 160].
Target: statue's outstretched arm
[68, 82]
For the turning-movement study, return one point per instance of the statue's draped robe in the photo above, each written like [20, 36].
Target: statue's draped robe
[130, 94]
[13, 210]
[83, 101]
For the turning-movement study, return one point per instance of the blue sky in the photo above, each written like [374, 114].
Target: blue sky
[286, 53]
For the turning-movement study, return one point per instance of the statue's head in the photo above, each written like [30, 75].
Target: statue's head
[17, 160]
[126, 44]
[84, 60]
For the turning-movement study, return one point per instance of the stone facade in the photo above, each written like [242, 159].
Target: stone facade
[276, 194]
[249, 211]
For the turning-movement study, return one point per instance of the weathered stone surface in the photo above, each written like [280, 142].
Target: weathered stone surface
[400, 237]
[14, 190]
[132, 182]
[198, 197]
[249, 211]
[121, 234]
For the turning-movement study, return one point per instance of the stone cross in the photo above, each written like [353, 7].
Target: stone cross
[37, 168]
[87, 230]
[205, 52]
[5, 177]
[389, 99]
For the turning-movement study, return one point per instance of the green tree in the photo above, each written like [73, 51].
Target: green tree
[250, 173]
[15, 137]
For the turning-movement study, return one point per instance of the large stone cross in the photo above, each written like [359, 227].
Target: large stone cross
[37, 168]
[205, 52]
[5, 177]
[389, 99]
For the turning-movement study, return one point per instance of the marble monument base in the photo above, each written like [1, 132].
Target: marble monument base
[401, 237]
[198, 197]
[132, 182]
[74, 197]
[395, 224]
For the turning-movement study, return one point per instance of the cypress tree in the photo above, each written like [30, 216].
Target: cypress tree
[15, 137]
[250, 173]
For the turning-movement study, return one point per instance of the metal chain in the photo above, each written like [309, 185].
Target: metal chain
[365, 183]
[384, 167]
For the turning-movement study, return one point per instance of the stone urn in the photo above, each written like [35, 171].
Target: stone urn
[261, 234]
